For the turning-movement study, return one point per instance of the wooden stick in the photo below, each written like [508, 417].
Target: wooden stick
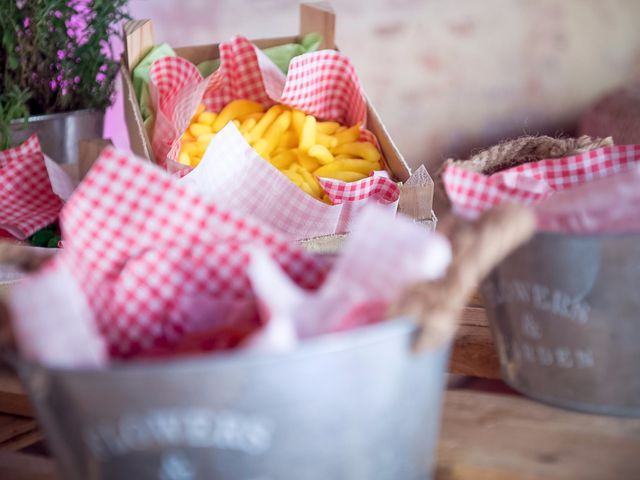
[477, 248]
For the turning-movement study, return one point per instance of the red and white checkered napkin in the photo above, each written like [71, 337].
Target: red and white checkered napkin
[161, 268]
[383, 255]
[233, 175]
[563, 189]
[27, 200]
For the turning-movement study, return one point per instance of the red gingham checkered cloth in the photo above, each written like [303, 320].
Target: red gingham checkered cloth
[472, 193]
[234, 176]
[27, 201]
[322, 83]
[162, 268]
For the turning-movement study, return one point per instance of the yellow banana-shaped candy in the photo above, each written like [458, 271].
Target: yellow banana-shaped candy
[247, 125]
[365, 150]
[349, 135]
[191, 149]
[374, 165]
[199, 110]
[256, 116]
[345, 176]
[197, 129]
[288, 139]
[295, 177]
[184, 159]
[267, 119]
[297, 144]
[297, 121]
[276, 129]
[321, 153]
[187, 137]
[234, 110]
[206, 138]
[261, 147]
[360, 166]
[328, 127]
[306, 188]
[207, 118]
[312, 182]
[283, 159]
[308, 134]
[326, 140]
[201, 147]
[308, 162]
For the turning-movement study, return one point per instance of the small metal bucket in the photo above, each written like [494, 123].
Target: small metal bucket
[59, 133]
[359, 404]
[565, 316]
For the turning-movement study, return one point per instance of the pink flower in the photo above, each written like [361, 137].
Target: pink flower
[25, 23]
[60, 54]
[53, 84]
[100, 77]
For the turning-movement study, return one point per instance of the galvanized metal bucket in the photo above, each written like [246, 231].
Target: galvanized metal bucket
[565, 315]
[355, 405]
[59, 133]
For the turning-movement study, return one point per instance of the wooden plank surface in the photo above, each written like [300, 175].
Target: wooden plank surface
[21, 466]
[18, 432]
[12, 426]
[487, 436]
[13, 398]
[474, 352]
[22, 441]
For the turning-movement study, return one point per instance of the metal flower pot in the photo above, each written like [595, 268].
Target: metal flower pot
[359, 404]
[565, 315]
[59, 133]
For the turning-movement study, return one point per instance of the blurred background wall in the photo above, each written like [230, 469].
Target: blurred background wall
[447, 76]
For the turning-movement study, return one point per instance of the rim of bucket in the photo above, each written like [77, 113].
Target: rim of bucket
[321, 345]
[52, 116]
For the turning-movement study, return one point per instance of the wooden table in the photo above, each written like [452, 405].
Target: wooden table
[488, 431]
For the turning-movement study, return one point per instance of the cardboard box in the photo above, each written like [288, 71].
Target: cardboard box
[416, 195]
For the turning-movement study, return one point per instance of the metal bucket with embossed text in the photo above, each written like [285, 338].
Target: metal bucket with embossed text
[355, 405]
[565, 315]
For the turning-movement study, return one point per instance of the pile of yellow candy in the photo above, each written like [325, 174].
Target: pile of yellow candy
[298, 145]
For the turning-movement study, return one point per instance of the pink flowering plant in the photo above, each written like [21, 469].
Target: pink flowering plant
[56, 56]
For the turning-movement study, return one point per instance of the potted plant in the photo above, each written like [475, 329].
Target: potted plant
[57, 71]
